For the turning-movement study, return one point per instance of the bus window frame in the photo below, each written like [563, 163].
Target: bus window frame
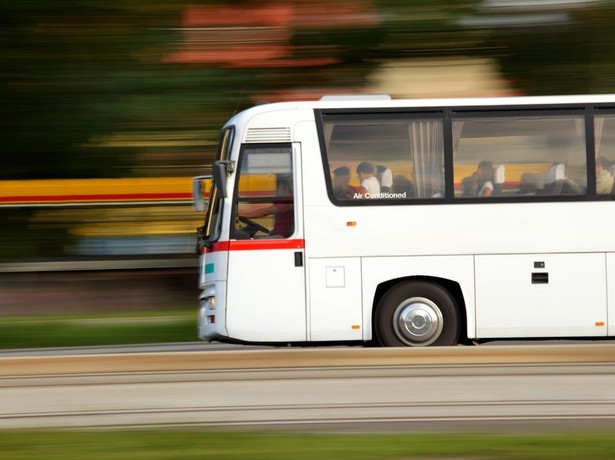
[447, 115]
[392, 114]
[216, 197]
[487, 112]
[235, 198]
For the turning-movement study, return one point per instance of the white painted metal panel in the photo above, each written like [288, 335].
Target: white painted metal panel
[571, 304]
[610, 270]
[266, 296]
[314, 187]
[212, 267]
[267, 299]
[212, 279]
[335, 299]
[461, 229]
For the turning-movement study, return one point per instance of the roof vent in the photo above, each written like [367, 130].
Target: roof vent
[356, 97]
[264, 135]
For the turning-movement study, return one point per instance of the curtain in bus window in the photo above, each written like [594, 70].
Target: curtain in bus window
[427, 147]
[457, 128]
[569, 154]
[598, 127]
[604, 134]
[328, 128]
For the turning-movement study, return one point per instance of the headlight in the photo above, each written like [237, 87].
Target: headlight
[209, 303]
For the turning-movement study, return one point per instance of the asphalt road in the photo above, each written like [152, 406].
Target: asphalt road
[323, 388]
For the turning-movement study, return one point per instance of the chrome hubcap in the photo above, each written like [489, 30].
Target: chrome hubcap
[418, 321]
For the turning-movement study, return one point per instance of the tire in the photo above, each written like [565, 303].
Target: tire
[417, 314]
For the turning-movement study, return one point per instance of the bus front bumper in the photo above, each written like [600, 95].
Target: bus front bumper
[211, 314]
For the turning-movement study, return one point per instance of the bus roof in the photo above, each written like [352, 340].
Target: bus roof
[369, 101]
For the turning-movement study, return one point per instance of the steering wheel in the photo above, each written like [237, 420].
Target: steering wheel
[254, 225]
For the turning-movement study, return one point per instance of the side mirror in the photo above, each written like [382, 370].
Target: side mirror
[201, 186]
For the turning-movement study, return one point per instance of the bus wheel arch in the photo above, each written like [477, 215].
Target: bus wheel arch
[418, 312]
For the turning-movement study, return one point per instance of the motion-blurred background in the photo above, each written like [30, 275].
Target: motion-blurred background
[107, 109]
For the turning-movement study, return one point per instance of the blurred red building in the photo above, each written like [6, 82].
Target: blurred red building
[254, 35]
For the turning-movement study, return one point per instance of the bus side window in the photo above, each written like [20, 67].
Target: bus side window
[390, 157]
[549, 146]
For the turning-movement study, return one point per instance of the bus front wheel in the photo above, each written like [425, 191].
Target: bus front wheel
[417, 314]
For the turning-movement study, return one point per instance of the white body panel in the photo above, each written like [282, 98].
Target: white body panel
[269, 297]
[490, 228]
[610, 276]
[213, 267]
[416, 231]
[336, 311]
[570, 304]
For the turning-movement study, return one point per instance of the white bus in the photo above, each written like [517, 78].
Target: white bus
[411, 222]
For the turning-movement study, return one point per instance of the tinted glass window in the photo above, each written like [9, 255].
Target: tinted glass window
[519, 156]
[374, 158]
[264, 200]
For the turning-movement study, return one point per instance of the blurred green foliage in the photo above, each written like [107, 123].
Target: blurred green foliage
[576, 56]
[98, 330]
[72, 70]
[89, 89]
[74, 73]
[195, 443]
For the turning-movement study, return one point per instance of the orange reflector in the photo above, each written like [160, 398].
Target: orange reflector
[599, 323]
[351, 223]
[356, 326]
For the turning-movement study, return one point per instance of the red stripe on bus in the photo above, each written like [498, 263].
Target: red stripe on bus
[256, 245]
[98, 197]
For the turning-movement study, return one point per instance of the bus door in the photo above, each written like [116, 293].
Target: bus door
[266, 273]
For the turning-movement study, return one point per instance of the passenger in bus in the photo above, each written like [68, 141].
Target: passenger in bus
[385, 177]
[528, 184]
[368, 179]
[556, 182]
[403, 185]
[341, 185]
[604, 179]
[282, 210]
[480, 183]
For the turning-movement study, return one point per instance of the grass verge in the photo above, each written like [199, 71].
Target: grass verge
[202, 444]
[92, 330]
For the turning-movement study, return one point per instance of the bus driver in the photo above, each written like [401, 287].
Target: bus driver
[282, 210]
